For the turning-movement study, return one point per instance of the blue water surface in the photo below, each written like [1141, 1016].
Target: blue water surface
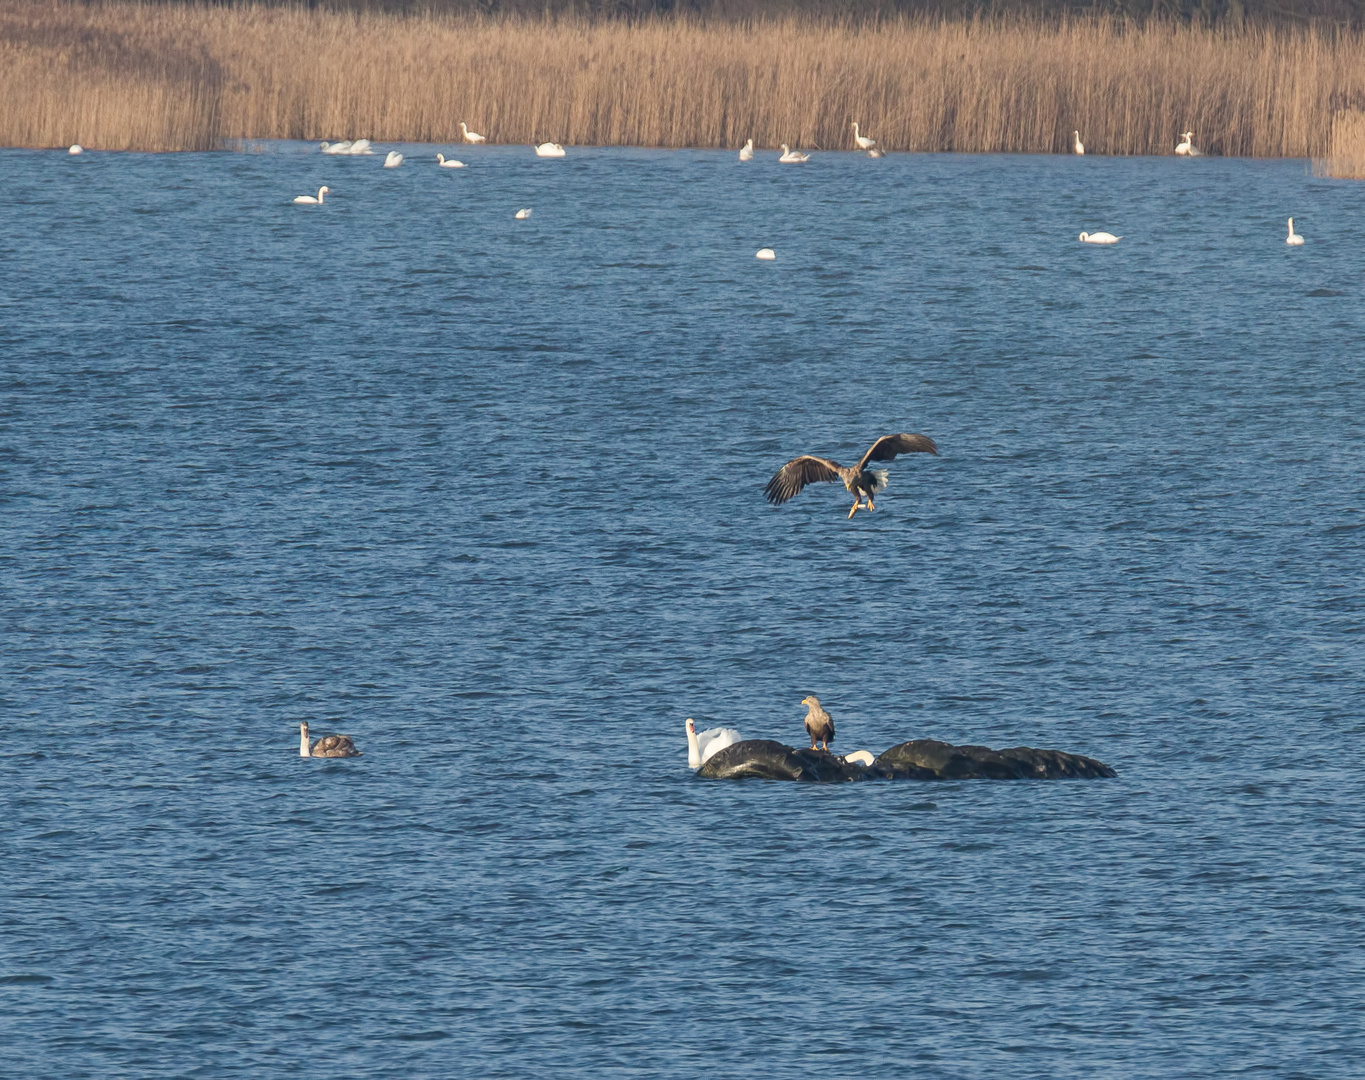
[487, 495]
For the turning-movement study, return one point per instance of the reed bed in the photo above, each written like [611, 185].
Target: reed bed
[127, 76]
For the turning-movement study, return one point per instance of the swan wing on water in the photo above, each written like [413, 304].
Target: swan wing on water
[714, 740]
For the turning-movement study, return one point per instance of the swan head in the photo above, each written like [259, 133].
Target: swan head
[785, 148]
[691, 727]
[1084, 237]
[324, 190]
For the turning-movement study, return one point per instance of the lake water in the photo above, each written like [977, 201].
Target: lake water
[488, 495]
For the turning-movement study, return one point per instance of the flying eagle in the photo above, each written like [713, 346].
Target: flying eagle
[860, 480]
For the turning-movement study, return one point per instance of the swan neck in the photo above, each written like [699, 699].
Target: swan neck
[303, 740]
[693, 751]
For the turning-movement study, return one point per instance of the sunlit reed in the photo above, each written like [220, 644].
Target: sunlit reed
[168, 77]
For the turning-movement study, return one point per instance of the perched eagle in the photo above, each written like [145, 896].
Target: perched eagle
[860, 480]
[819, 726]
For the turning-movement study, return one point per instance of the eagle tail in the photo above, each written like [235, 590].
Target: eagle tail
[880, 479]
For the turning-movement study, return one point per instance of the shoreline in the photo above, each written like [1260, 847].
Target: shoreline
[125, 76]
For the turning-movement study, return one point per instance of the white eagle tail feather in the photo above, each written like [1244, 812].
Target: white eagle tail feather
[882, 479]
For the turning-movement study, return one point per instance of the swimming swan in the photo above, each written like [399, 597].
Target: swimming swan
[708, 743]
[470, 136]
[1077, 146]
[766, 254]
[393, 160]
[76, 148]
[522, 215]
[308, 200]
[336, 147]
[790, 156]
[1099, 238]
[1293, 239]
[549, 149]
[1185, 148]
[327, 746]
[360, 146]
[451, 164]
[746, 152]
[864, 143]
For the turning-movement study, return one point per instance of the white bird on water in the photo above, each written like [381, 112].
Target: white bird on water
[766, 254]
[864, 143]
[360, 146]
[308, 200]
[706, 744]
[1076, 145]
[76, 148]
[470, 136]
[393, 160]
[522, 215]
[1099, 238]
[549, 149]
[451, 164]
[1185, 147]
[1293, 239]
[792, 157]
[336, 147]
[746, 152]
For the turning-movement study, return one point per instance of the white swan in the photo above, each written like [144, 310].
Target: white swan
[746, 152]
[549, 149]
[766, 254]
[522, 215]
[360, 146]
[76, 148]
[451, 164]
[327, 746]
[470, 136]
[706, 744]
[1293, 239]
[335, 147]
[393, 160]
[790, 156]
[1076, 145]
[1099, 238]
[864, 143]
[1185, 147]
[862, 757]
[308, 200]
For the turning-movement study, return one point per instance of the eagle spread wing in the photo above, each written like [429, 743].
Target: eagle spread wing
[888, 446]
[796, 474]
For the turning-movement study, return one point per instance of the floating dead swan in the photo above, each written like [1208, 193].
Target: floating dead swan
[703, 745]
[859, 480]
[921, 759]
[327, 746]
[819, 724]
[766, 254]
[1099, 238]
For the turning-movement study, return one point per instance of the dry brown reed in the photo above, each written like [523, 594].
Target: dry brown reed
[1346, 148]
[126, 76]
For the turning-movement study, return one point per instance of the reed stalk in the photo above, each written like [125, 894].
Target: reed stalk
[123, 75]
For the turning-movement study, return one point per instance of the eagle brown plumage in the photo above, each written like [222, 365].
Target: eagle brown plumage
[860, 480]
